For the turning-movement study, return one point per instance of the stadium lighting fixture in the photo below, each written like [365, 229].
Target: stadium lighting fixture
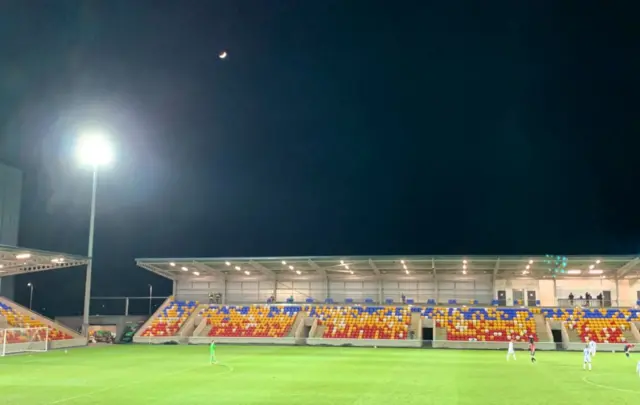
[464, 261]
[284, 263]
[597, 261]
[406, 271]
[247, 272]
[530, 261]
[346, 267]
[23, 256]
[172, 264]
[351, 271]
[298, 272]
[528, 267]
[196, 273]
[464, 266]
[592, 267]
[596, 271]
[1, 266]
[184, 268]
[342, 262]
[290, 267]
[238, 268]
[93, 149]
[402, 261]
[405, 266]
[30, 285]
[574, 271]
[227, 263]
[464, 272]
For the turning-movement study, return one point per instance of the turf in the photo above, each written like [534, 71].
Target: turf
[132, 374]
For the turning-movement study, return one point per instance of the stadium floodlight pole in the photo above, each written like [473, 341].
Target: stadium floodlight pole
[94, 150]
[30, 285]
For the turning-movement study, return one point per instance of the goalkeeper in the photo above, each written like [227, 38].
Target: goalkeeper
[212, 353]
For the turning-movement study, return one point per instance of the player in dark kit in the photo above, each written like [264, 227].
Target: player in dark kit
[627, 349]
[532, 350]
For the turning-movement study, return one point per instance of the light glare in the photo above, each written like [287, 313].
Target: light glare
[94, 149]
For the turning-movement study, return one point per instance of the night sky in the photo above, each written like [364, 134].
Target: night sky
[333, 127]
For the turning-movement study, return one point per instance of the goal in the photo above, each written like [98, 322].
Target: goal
[21, 340]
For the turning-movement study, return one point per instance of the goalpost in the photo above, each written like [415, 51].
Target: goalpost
[22, 340]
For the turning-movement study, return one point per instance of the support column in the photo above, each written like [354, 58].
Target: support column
[380, 292]
[435, 280]
[617, 291]
[175, 288]
[126, 306]
[224, 293]
[555, 292]
[327, 287]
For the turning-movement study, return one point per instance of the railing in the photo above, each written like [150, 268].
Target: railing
[592, 303]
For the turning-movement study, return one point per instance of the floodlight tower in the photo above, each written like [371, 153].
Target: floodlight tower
[93, 150]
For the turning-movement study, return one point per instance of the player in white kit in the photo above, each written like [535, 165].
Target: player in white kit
[638, 368]
[511, 352]
[587, 358]
[592, 348]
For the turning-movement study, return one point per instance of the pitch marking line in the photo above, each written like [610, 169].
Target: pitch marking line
[585, 379]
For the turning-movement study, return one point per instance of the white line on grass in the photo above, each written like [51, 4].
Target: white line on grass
[585, 379]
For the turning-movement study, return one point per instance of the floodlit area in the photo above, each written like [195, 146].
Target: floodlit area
[146, 374]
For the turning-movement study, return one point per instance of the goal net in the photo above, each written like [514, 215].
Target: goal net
[21, 340]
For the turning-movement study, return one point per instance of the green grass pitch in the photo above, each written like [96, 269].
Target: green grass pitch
[138, 374]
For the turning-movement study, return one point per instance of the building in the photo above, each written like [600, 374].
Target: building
[10, 198]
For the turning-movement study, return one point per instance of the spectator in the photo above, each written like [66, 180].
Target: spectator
[404, 299]
[587, 297]
[599, 298]
[210, 298]
[571, 298]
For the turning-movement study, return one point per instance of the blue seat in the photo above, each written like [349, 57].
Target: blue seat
[328, 301]
[389, 300]
[431, 301]
[368, 300]
[410, 301]
[348, 301]
[309, 300]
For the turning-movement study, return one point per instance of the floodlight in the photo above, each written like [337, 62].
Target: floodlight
[94, 149]
[195, 273]
[247, 272]
[172, 264]
[184, 269]
[227, 263]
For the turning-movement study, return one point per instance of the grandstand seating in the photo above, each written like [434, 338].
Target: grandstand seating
[16, 319]
[484, 324]
[169, 320]
[250, 321]
[373, 322]
[602, 325]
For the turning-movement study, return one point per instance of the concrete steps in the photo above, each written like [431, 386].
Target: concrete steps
[542, 328]
[416, 325]
[300, 318]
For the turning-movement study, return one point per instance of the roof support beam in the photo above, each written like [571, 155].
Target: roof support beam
[208, 269]
[374, 267]
[317, 268]
[156, 270]
[622, 271]
[262, 269]
[496, 268]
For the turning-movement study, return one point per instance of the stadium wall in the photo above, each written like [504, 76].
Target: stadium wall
[10, 197]
[358, 288]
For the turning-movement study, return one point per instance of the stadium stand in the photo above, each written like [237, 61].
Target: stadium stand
[361, 322]
[169, 319]
[484, 324]
[603, 325]
[17, 317]
[249, 321]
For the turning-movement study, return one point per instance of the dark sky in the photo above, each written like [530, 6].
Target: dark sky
[333, 127]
